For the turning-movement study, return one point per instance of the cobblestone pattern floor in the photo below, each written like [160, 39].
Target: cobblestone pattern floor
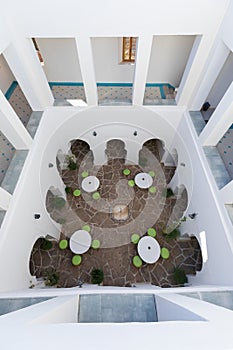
[116, 251]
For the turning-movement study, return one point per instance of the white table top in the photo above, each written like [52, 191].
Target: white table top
[149, 249]
[143, 180]
[90, 183]
[80, 241]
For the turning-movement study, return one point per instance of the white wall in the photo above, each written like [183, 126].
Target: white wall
[169, 55]
[106, 55]
[61, 59]
[6, 76]
[212, 217]
[168, 310]
[222, 82]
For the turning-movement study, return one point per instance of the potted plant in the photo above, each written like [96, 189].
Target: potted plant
[97, 276]
[58, 202]
[71, 164]
[51, 278]
[45, 244]
[180, 276]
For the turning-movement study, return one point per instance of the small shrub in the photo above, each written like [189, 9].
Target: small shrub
[51, 278]
[180, 276]
[143, 161]
[45, 244]
[173, 234]
[167, 192]
[97, 276]
[68, 190]
[58, 202]
[61, 221]
[71, 164]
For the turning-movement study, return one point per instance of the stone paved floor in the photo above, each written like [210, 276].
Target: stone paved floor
[116, 251]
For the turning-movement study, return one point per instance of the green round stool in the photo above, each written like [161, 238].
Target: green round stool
[152, 189]
[126, 172]
[63, 244]
[165, 253]
[76, 260]
[151, 232]
[84, 174]
[135, 238]
[77, 192]
[86, 228]
[137, 261]
[96, 195]
[95, 244]
[152, 173]
[131, 183]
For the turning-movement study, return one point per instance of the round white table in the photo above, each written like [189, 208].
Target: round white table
[143, 180]
[80, 241]
[149, 249]
[90, 183]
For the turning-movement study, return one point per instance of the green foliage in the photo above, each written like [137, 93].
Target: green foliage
[167, 192]
[45, 244]
[71, 163]
[97, 276]
[51, 278]
[180, 276]
[61, 221]
[68, 190]
[58, 202]
[142, 161]
[171, 234]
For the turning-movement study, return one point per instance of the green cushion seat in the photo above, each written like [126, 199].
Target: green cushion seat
[76, 260]
[151, 232]
[84, 174]
[165, 253]
[135, 238]
[152, 189]
[131, 183]
[77, 192]
[137, 261]
[151, 173]
[126, 172]
[95, 244]
[63, 244]
[86, 228]
[96, 195]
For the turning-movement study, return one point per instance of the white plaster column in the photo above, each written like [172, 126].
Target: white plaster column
[87, 68]
[174, 183]
[220, 121]
[218, 58]
[99, 154]
[12, 127]
[5, 198]
[24, 63]
[132, 149]
[143, 51]
[226, 193]
[194, 70]
[167, 159]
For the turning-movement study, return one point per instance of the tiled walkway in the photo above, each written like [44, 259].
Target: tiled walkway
[116, 251]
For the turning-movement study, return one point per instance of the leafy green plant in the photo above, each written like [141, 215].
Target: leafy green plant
[71, 163]
[97, 276]
[58, 202]
[68, 190]
[143, 161]
[51, 278]
[172, 234]
[45, 244]
[167, 192]
[61, 221]
[180, 276]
